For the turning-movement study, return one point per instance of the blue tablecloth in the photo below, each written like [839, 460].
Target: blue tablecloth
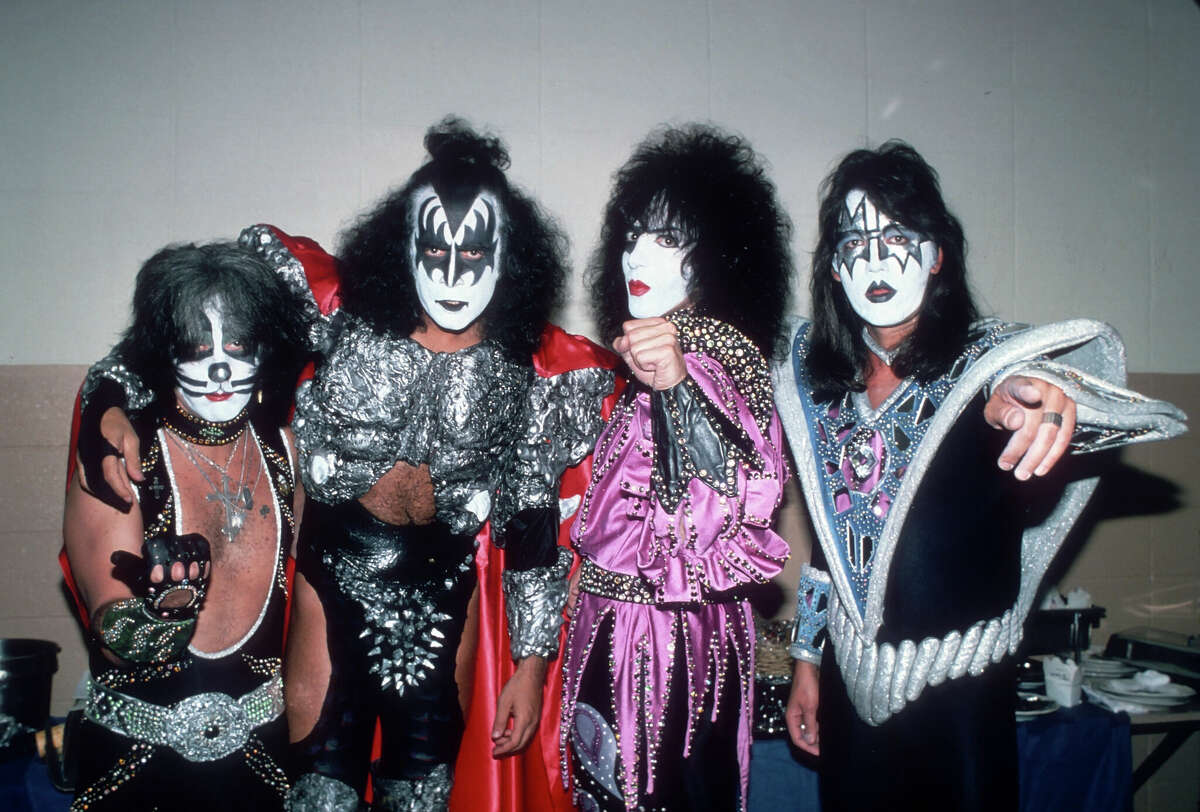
[25, 787]
[1076, 758]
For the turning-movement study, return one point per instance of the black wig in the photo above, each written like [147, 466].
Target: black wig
[713, 188]
[169, 297]
[903, 186]
[375, 262]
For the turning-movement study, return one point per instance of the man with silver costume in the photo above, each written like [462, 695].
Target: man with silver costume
[184, 705]
[930, 554]
[445, 406]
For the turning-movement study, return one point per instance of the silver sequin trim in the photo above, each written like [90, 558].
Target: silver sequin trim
[814, 584]
[534, 600]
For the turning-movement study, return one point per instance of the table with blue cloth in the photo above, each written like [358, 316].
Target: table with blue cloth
[1074, 758]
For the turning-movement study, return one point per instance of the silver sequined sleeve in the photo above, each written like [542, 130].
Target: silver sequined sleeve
[1092, 373]
[112, 367]
[561, 419]
[534, 601]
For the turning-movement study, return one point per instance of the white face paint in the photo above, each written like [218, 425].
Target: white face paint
[217, 378]
[456, 256]
[884, 266]
[656, 276]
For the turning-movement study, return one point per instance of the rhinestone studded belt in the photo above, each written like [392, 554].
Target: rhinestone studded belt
[613, 585]
[204, 727]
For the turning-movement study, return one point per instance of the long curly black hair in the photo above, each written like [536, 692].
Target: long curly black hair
[170, 293]
[377, 283]
[713, 187]
[906, 188]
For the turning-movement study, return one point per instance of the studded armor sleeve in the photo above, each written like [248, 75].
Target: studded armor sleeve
[263, 241]
[534, 600]
[561, 419]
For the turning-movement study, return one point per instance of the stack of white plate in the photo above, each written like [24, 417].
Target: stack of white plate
[1130, 690]
[1097, 668]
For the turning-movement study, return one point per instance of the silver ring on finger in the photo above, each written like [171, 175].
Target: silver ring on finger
[1052, 417]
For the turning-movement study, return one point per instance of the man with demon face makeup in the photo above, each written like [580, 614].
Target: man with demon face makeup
[184, 702]
[444, 413]
[686, 477]
[930, 555]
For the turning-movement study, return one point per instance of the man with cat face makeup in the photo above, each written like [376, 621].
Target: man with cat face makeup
[444, 409]
[930, 554]
[184, 706]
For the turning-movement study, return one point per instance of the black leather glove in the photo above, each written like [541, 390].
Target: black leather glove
[176, 599]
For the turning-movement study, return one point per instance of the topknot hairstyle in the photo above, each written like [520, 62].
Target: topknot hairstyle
[376, 265]
[902, 185]
[170, 293]
[713, 187]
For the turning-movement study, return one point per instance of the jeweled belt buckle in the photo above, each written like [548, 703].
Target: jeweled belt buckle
[206, 727]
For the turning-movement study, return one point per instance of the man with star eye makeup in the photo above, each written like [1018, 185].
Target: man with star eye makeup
[930, 553]
[183, 592]
[689, 285]
[443, 442]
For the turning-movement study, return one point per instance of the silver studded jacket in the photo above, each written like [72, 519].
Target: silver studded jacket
[496, 436]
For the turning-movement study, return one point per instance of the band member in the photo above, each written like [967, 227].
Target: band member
[931, 553]
[184, 593]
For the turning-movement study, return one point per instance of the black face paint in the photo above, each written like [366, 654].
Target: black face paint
[473, 221]
[457, 253]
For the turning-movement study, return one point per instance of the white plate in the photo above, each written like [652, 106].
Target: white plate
[1142, 701]
[1110, 671]
[1031, 705]
[1134, 689]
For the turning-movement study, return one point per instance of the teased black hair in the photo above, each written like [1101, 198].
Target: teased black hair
[902, 185]
[169, 296]
[712, 186]
[377, 281]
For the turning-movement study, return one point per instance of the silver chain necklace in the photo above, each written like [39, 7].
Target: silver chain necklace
[235, 500]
